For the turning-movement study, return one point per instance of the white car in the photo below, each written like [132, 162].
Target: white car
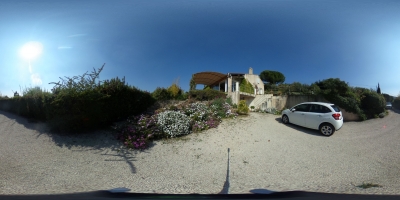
[325, 117]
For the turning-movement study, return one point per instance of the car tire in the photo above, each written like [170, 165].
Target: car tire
[285, 119]
[326, 129]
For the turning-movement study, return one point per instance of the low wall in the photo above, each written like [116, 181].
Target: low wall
[293, 100]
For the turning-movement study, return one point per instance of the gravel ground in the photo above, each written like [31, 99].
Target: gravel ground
[264, 153]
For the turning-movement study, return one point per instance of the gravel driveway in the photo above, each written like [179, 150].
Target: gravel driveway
[264, 153]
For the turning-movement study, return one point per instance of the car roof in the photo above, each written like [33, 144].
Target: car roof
[319, 103]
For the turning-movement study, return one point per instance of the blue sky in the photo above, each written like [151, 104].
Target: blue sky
[153, 43]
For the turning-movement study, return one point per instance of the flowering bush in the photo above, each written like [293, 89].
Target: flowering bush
[196, 117]
[197, 111]
[173, 123]
[222, 109]
[212, 123]
[138, 131]
[199, 126]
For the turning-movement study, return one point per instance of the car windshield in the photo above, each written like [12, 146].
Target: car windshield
[192, 96]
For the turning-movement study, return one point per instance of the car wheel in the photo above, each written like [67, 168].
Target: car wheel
[326, 129]
[285, 119]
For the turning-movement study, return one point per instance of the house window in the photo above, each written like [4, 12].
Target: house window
[222, 86]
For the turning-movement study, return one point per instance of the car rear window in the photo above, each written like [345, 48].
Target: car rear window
[335, 108]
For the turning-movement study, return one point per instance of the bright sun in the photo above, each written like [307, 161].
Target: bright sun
[31, 50]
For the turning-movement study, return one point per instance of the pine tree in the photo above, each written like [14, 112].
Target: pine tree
[378, 90]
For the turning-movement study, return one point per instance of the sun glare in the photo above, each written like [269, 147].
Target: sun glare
[31, 50]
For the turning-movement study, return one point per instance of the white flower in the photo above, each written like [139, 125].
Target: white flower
[174, 123]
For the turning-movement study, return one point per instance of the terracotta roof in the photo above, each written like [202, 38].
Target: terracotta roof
[208, 78]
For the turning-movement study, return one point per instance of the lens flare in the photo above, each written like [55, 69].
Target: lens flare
[31, 50]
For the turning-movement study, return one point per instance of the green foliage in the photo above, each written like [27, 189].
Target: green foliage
[229, 101]
[396, 102]
[378, 89]
[175, 91]
[220, 108]
[242, 108]
[388, 98]
[33, 104]
[80, 104]
[295, 88]
[77, 83]
[161, 94]
[245, 86]
[339, 93]
[372, 103]
[364, 102]
[273, 77]
[207, 87]
[34, 92]
[333, 86]
[271, 88]
[206, 95]
[192, 84]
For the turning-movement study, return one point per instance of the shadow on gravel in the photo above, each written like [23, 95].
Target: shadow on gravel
[300, 128]
[27, 123]
[101, 142]
[395, 110]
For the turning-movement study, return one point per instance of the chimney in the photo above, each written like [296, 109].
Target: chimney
[250, 70]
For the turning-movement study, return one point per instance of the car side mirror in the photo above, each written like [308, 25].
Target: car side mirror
[293, 110]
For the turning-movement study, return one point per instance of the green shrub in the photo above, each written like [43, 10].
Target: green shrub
[245, 86]
[229, 101]
[182, 96]
[175, 91]
[206, 95]
[217, 106]
[396, 102]
[161, 94]
[81, 104]
[32, 104]
[388, 98]
[372, 103]
[339, 93]
[242, 108]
